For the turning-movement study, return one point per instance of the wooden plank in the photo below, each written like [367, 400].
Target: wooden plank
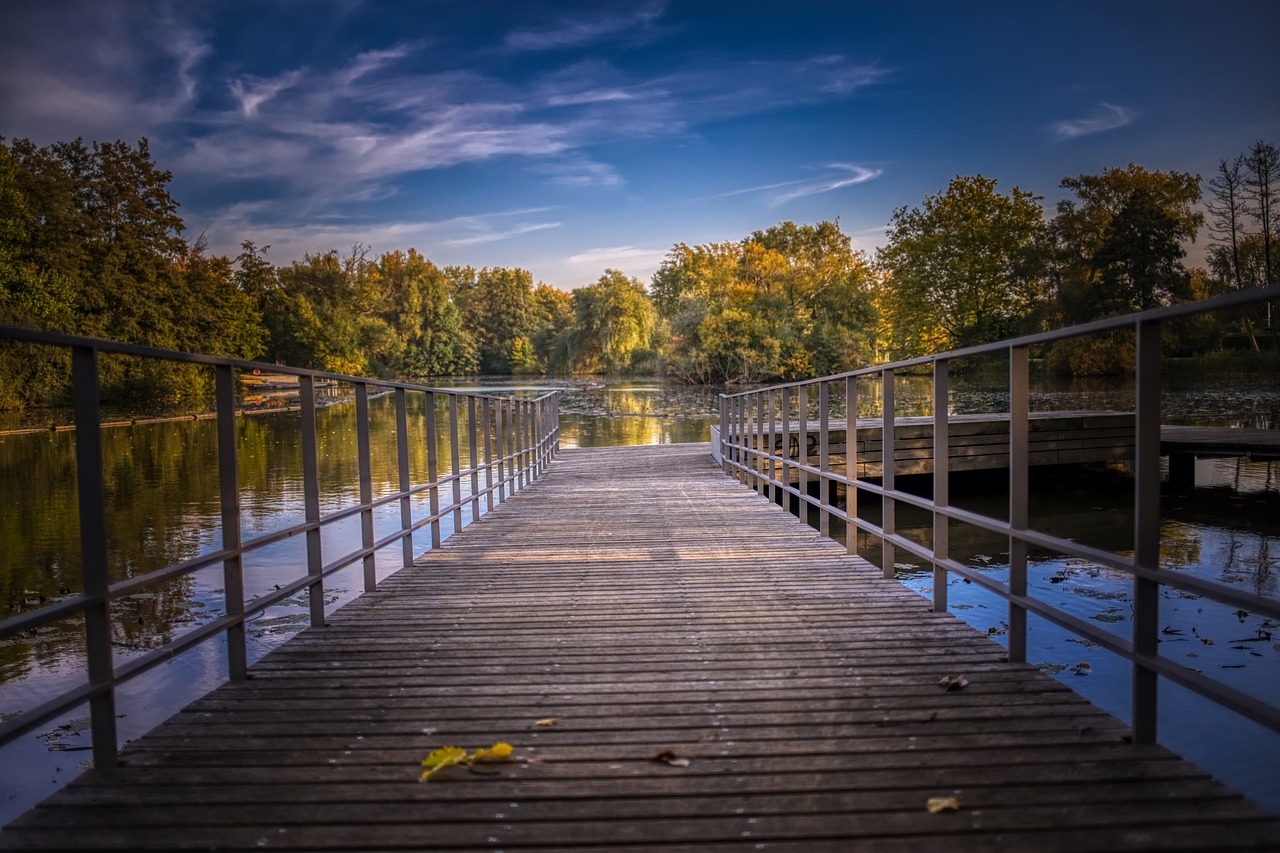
[646, 606]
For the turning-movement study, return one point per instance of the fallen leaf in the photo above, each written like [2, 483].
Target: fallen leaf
[439, 759]
[953, 682]
[450, 756]
[942, 804]
[549, 721]
[669, 757]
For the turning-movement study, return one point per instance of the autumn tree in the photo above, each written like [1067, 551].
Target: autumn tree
[964, 268]
[613, 325]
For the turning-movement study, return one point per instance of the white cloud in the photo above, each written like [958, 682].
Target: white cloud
[838, 176]
[845, 175]
[1105, 117]
[493, 236]
[580, 31]
[252, 92]
[614, 255]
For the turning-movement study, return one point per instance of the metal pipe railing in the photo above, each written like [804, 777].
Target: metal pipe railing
[747, 450]
[519, 439]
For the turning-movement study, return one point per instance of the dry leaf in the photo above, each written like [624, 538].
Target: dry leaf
[549, 721]
[671, 758]
[953, 682]
[942, 804]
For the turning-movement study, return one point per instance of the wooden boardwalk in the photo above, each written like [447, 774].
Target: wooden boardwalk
[710, 674]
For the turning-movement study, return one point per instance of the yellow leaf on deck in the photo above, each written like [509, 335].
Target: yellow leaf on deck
[438, 759]
[942, 804]
[549, 721]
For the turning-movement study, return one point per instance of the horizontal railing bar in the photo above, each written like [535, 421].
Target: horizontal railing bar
[43, 615]
[142, 663]
[1111, 642]
[55, 707]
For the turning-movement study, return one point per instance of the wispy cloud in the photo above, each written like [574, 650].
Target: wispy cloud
[493, 236]
[842, 175]
[583, 30]
[837, 176]
[1105, 117]
[252, 92]
[616, 255]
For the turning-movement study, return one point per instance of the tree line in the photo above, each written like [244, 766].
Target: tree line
[91, 243]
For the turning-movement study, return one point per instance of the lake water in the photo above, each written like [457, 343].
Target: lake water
[163, 507]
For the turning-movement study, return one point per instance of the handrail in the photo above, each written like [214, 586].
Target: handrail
[749, 419]
[510, 441]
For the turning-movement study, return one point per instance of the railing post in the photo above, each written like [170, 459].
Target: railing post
[92, 500]
[941, 482]
[455, 461]
[531, 445]
[758, 442]
[364, 468]
[500, 436]
[473, 456]
[1146, 533]
[802, 449]
[723, 414]
[851, 464]
[311, 497]
[486, 407]
[402, 467]
[784, 412]
[1019, 497]
[229, 495]
[433, 466]
[771, 489]
[517, 445]
[888, 508]
[824, 457]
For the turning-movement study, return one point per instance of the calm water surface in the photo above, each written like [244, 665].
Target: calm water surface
[163, 507]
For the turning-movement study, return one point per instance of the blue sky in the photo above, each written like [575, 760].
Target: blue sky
[567, 138]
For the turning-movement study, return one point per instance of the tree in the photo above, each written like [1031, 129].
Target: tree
[553, 313]
[964, 268]
[497, 309]
[1262, 174]
[613, 325]
[1118, 245]
[427, 323]
[825, 286]
[1227, 208]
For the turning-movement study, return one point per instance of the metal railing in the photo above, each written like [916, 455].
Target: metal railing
[509, 443]
[753, 423]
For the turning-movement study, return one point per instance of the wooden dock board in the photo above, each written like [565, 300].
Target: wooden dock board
[651, 612]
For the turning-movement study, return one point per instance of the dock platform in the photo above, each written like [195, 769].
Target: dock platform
[680, 665]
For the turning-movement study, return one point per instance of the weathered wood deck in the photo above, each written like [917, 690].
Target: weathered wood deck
[649, 606]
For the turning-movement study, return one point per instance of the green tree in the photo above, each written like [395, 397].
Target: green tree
[1118, 244]
[418, 306]
[613, 325]
[553, 313]
[964, 268]
[497, 309]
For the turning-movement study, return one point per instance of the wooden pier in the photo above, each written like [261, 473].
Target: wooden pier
[680, 665]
